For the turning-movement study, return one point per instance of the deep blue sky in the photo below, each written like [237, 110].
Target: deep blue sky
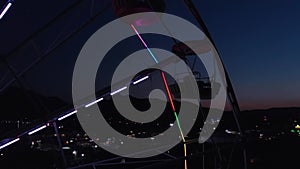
[259, 43]
[257, 40]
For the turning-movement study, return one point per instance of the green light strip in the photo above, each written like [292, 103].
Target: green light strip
[179, 126]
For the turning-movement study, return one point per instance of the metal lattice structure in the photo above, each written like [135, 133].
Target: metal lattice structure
[207, 151]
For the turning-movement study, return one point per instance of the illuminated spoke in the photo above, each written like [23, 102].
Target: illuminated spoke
[168, 92]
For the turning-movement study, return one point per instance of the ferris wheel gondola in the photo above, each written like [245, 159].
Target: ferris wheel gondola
[205, 84]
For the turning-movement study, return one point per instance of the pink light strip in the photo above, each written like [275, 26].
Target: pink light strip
[138, 34]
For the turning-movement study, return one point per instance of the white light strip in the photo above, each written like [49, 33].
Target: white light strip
[94, 102]
[5, 10]
[9, 143]
[67, 115]
[227, 131]
[38, 129]
[117, 91]
[140, 80]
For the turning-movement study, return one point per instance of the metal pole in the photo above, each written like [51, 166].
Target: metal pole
[37, 103]
[50, 51]
[60, 145]
[203, 155]
[230, 91]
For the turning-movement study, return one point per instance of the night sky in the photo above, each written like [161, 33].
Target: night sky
[258, 42]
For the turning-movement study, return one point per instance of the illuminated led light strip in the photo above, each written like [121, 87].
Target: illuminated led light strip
[169, 94]
[94, 102]
[168, 90]
[67, 115]
[36, 130]
[5, 10]
[140, 80]
[183, 139]
[179, 126]
[176, 116]
[9, 143]
[185, 154]
[152, 55]
[117, 91]
[138, 34]
[144, 43]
